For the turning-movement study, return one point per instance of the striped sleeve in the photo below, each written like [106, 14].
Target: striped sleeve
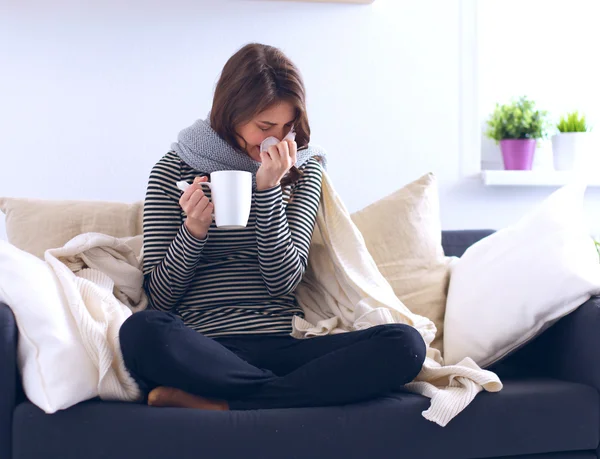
[284, 233]
[171, 253]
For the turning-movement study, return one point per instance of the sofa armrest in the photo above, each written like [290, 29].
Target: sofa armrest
[8, 377]
[568, 350]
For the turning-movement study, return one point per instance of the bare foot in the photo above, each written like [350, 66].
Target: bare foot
[169, 396]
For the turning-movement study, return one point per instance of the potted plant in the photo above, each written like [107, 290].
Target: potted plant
[516, 126]
[571, 146]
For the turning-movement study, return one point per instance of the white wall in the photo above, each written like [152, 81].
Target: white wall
[549, 55]
[92, 96]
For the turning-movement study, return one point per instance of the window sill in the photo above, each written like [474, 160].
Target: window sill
[537, 178]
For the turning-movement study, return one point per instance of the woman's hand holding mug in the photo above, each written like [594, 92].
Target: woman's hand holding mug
[198, 208]
[229, 205]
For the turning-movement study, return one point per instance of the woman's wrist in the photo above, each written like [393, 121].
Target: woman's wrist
[198, 234]
[266, 186]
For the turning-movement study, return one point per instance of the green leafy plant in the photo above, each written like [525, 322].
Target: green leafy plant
[572, 122]
[518, 119]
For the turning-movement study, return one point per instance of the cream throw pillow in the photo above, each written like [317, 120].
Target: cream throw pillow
[35, 225]
[404, 236]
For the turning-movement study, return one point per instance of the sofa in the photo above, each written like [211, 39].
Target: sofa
[549, 408]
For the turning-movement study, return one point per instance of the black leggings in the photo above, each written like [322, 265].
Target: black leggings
[265, 371]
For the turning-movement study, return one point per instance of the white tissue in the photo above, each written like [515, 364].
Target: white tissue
[270, 141]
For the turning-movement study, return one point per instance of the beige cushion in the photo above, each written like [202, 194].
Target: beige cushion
[403, 235]
[35, 225]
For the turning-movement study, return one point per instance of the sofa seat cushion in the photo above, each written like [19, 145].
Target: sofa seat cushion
[527, 417]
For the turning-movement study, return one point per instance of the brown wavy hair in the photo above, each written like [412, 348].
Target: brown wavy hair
[254, 79]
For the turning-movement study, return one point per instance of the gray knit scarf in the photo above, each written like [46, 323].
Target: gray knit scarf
[201, 148]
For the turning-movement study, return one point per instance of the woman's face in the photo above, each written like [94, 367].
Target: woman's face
[275, 121]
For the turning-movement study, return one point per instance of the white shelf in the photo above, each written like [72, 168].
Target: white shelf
[534, 178]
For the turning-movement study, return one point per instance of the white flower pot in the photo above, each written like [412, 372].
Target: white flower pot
[572, 151]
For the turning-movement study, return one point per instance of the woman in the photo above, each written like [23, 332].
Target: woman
[218, 332]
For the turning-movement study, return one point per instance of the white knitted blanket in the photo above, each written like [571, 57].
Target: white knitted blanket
[102, 283]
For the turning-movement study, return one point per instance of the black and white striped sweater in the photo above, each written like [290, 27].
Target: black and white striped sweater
[233, 282]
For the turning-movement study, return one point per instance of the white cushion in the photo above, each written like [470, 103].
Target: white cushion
[56, 370]
[512, 285]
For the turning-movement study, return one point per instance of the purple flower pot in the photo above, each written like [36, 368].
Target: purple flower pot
[518, 154]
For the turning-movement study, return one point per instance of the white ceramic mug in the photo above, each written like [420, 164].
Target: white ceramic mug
[231, 195]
